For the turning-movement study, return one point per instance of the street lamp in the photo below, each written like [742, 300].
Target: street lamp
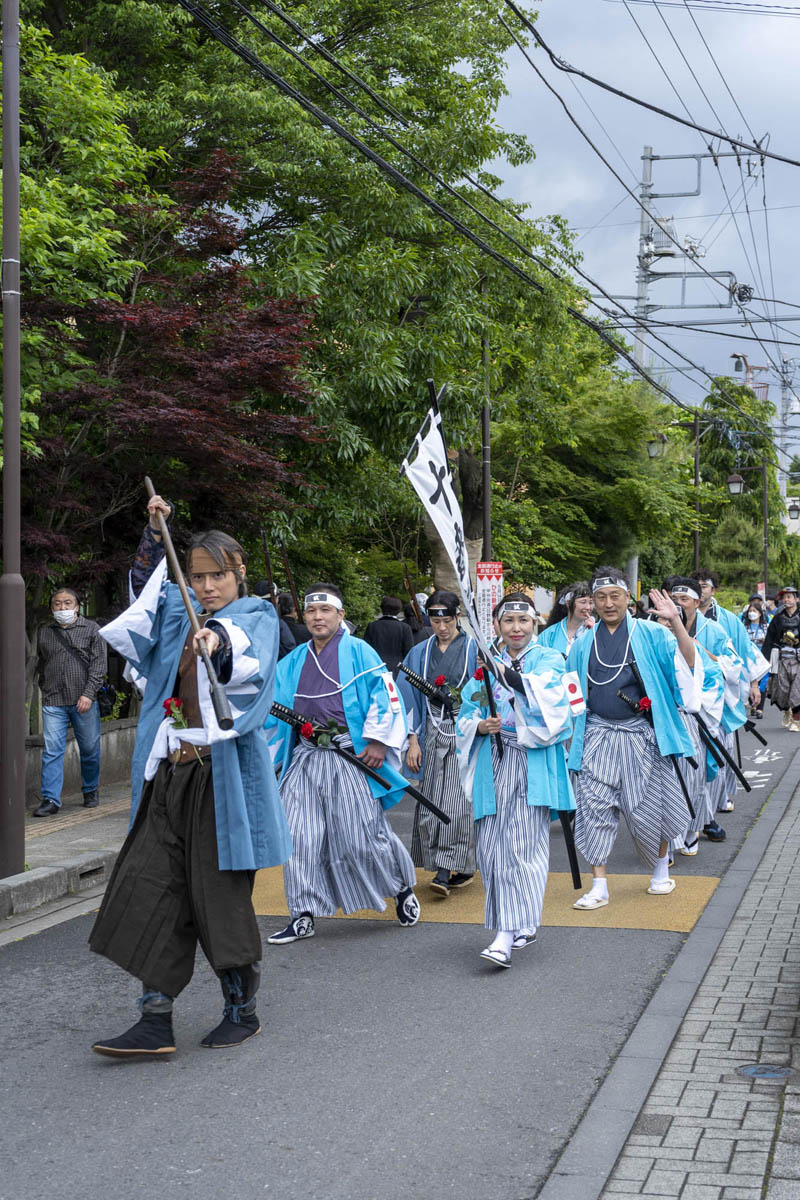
[657, 445]
[793, 510]
[736, 487]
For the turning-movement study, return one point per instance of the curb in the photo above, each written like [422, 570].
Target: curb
[591, 1153]
[20, 893]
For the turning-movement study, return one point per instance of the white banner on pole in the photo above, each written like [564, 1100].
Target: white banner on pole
[429, 475]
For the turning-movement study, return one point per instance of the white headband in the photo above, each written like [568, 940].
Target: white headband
[322, 598]
[683, 589]
[609, 581]
[515, 606]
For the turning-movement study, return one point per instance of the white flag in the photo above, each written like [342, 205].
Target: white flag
[429, 475]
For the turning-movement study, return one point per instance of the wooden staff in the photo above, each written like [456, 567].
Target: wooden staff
[219, 699]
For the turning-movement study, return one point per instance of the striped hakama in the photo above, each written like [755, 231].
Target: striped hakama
[724, 783]
[436, 846]
[346, 854]
[696, 785]
[623, 771]
[513, 846]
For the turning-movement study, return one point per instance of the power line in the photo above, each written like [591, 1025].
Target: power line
[248, 56]
[562, 65]
[694, 217]
[688, 8]
[225, 38]
[615, 173]
[726, 6]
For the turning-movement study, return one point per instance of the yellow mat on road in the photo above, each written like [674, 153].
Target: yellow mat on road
[630, 907]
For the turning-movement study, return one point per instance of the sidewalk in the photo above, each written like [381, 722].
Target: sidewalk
[67, 855]
[703, 1102]
[709, 1130]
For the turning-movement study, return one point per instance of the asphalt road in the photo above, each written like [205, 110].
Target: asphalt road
[392, 1062]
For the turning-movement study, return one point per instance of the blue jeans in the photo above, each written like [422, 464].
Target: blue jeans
[56, 720]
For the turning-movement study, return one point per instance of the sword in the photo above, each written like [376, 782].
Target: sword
[428, 689]
[297, 720]
[572, 855]
[673, 758]
[749, 727]
[719, 746]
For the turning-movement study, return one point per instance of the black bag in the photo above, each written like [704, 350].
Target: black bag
[106, 698]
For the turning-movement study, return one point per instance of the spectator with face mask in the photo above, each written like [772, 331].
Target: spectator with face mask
[756, 620]
[71, 665]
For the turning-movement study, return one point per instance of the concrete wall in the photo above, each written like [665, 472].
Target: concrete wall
[116, 750]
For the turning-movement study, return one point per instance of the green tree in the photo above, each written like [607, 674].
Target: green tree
[80, 174]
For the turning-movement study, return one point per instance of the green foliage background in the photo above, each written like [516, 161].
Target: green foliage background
[123, 96]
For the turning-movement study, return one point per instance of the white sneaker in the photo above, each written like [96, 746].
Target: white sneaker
[786, 719]
[794, 727]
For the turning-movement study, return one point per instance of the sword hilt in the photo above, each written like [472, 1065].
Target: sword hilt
[289, 715]
[428, 689]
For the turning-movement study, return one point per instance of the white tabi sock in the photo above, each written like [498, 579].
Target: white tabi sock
[661, 869]
[502, 941]
[599, 888]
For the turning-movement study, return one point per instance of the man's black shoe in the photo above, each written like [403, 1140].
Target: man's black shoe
[231, 1033]
[441, 882]
[47, 808]
[714, 832]
[461, 880]
[152, 1034]
[91, 799]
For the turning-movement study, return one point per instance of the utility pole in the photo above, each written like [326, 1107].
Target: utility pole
[643, 258]
[787, 395]
[486, 436]
[12, 587]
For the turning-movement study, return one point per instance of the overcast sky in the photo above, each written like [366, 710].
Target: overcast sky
[759, 56]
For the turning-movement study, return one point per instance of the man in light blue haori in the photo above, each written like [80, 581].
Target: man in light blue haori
[634, 675]
[346, 854]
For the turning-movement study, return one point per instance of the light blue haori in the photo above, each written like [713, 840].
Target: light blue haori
[541, 721]
[364, 682]
[251, 825]
[555, 636]
[713, 635]
[457, 664]
[754, 663]
[654, 648]
[713, 703]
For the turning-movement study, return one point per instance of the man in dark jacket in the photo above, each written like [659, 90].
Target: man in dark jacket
[70, 667]
[390, 635]
[287, 640]
[290, 617]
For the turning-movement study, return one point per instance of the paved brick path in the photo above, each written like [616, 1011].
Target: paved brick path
[706, 1133]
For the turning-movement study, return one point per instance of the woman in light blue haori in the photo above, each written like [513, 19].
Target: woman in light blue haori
[570, 617]
[514, 797]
